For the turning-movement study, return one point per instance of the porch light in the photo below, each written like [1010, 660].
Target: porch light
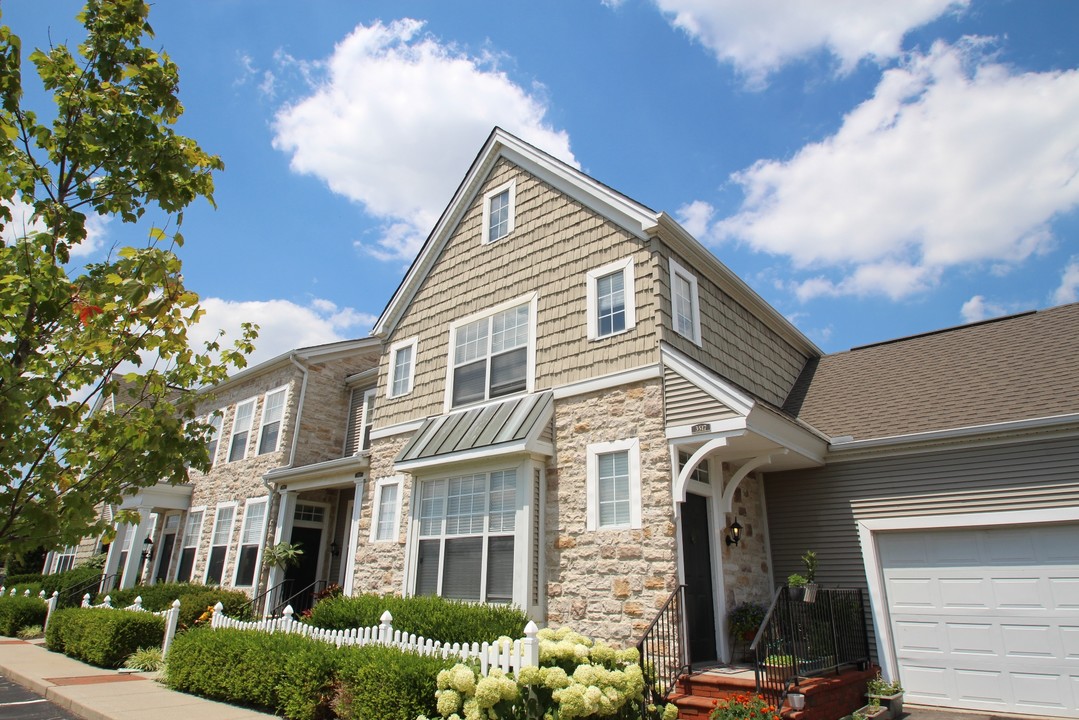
[335, 549]
[735, 535]
[147, 549]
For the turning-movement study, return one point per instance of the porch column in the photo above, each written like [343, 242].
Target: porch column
[112, 559]
[134, 554]
[285, 514]
[353, 534]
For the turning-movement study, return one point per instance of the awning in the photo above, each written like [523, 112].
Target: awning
[520, 425]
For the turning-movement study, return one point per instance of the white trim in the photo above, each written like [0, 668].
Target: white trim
[632, 447]
[252, 401]
[391, 372]
[624, 266]
[240, 544]
[280, 422]
[228, 543]
[376, 508]
[220, 417]
[183, 539]
[695, 299]
[874, 572]
[691, 371]
[606, 382]
[511, 186]
[401, 428]
[366, 423]
[532, 300]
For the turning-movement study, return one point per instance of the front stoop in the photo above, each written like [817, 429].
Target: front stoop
[827, 698]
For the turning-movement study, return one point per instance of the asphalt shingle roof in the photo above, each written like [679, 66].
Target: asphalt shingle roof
[1019, 367]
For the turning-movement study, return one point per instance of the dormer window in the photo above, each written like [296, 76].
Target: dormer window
[498, 212]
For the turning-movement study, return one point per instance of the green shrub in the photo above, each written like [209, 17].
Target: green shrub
[19, 612]
[428, 616]
[102, 637]
[20, 590]
[19, 580]
[287, 674]
[71, 584]
[147, 659]
[386, 683]
[194, 599]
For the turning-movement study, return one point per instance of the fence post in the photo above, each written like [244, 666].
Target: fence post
[86, 600]
[286, 619]
[26, 593]
[215, 619]
[41, 594]
[385, 628]
[50, 607]
[107, 602]
[172, 617]
[530, 646]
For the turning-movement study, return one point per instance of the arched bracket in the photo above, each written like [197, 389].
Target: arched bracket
[681, 481]
[727, 500]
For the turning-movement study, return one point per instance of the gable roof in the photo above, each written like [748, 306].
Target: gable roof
[1015, 368]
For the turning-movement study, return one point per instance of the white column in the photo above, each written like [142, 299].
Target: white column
[353, 535]
[134, 555]
[285, 514]
[116, 547]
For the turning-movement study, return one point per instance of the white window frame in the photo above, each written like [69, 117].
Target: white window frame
[250, 425]
[376, 509]
[632, 447]
[240, 545]
[677, 270]
[490, 195]
[228, 543]
[392, 373]
[532, 300]
[220, 418]
[280, 421]
[183, 541]
[592, 297]
[363, 442]
[64, 556]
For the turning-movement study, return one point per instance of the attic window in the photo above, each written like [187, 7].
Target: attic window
[498, 211]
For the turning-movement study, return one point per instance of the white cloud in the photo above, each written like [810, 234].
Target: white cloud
[394, 115]
[761, 36]
[695, 217]
[978, 308]
[950, 163]
[283, 325]
[1068, 291]
[23, 223]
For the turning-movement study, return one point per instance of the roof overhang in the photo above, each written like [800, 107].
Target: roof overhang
[510, 427]
[160, 497]
[330, 473]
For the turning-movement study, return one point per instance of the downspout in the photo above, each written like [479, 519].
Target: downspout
[291, 460]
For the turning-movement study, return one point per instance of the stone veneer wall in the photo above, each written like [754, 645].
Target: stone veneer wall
[609, 583]
[380, 566]
[747, 571]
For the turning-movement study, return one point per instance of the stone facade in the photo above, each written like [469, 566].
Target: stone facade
[609, 583]
[747, 570]
[380, 566]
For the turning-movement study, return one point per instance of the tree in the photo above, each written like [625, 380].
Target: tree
[98, 383]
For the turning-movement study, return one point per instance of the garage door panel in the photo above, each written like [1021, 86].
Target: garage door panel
[1019, 593]
[1065, 592]
[967, 593]
[913, 637]
[980, 686]
[1041, 691]
[1061, 544]
[1016, 546]
[928, 684]
[915, 592]
[1030, 641]
[1069, 639]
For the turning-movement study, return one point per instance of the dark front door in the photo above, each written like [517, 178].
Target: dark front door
[303, 575]
[697, 559]
[164, 556]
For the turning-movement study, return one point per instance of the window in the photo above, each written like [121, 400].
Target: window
[65, 558]
[700, 473]
[402, 364]
[250, 537]
[610, 299]
[498, 211]
[192, 533]
[466, 536]
[385, 525]
[241, 428]
[273, 409]
[613, 485]
[361, 417]
[219, 543]
[215, 436]
[685, 305]
[490, 356]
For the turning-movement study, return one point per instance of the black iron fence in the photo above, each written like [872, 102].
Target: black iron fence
[663, 650]
[809, 632]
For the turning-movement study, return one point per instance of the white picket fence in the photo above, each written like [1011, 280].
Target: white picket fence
[172, 616]
[509, 656]
[50, 602]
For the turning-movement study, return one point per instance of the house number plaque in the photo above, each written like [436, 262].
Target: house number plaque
[701, 428]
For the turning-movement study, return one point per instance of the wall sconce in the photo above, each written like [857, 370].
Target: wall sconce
[735, 534]
[147, 549]
[335, 549]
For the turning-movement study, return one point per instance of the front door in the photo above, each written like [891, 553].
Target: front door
[304, 574]
[697, 560]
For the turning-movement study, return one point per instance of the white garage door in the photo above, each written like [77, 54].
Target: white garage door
[986, 618]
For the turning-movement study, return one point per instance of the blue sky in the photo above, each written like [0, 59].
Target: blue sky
[873, 169]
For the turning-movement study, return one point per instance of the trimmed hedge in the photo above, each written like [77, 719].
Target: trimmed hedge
[194, 599]
[102, 637]
[23, 579]
[69, 583]
[429, 616]
[19, 612]
[300, 678]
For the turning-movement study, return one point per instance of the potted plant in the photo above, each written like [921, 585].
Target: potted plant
[886, 693]
[804, 587]
[282, 555]
[745, 619]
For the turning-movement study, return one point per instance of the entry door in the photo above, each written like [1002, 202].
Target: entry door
[697, 562]
[304, 574]
[164, 551]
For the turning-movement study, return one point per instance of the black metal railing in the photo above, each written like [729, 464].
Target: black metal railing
[303, 599]
[73, 597]
[663, 650]
[809, 632]
[269, 598]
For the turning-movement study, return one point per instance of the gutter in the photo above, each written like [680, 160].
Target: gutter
[848, 444]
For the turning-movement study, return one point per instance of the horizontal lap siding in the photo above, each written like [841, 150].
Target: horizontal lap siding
[686, 403]
[818, 509]
[555, 242]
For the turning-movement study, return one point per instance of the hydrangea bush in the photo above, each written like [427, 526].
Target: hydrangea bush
[577, 678]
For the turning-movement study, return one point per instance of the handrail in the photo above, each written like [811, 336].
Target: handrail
[259, 601]
[663, 650]
[291, 600]
[74, 595]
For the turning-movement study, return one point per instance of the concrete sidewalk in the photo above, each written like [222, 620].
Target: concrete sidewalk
[98, 694]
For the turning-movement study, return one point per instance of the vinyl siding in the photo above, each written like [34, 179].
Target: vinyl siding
[685, 403]
[818, 509]
[554, 244]
[735, 343]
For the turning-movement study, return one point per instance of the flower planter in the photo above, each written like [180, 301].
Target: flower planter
[894, 703]
[796, 700]
[869, 712]
[803, 593]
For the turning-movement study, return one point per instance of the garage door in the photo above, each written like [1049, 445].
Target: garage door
[986, 618]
